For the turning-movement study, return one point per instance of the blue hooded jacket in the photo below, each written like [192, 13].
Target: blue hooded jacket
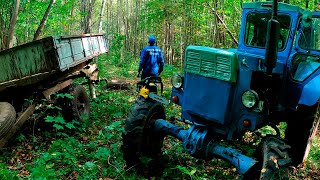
[151, 59]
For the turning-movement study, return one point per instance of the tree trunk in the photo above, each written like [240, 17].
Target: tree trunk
[101, 15]
[89, 17]
[44, 20]
[9, 41]
[83, 11]
[87, 7]
[71, 15]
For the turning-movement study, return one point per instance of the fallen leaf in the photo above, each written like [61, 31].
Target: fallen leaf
[24, 172]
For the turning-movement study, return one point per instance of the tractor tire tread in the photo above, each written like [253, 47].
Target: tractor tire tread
[135, 144]
[7, 118]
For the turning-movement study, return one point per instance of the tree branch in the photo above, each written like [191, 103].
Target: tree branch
[225, 26]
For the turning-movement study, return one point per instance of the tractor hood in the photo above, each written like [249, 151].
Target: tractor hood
[210, 77]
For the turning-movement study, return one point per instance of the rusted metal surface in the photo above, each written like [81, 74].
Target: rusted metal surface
[36, 61]
[91, 71]
[47, 93]
[21, 119]
[27, 61]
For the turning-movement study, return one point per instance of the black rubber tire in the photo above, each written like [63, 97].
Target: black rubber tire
[77, 108]
[7, 118]
[301, 130]
[138, 138]
[273, 160]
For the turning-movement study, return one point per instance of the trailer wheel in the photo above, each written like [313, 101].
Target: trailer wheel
[139, 141]
[77, 108]
[273, 160]
[7, 118]
[301, 130]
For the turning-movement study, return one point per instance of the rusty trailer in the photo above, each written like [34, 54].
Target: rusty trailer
[38, 69]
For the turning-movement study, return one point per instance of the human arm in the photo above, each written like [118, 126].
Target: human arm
[142, 61]
[161, 62]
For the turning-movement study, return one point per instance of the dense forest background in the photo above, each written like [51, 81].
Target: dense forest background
[128, 23]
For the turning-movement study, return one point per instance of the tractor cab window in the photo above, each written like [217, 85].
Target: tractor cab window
[310, 34]
[256, 29]
[303, 66]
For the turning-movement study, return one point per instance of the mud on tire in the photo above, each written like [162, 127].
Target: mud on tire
[139, 141]
[273, 160]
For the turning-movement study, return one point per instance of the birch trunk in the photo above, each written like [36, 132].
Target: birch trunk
[101, 15]
[9, 42]
[44, 20]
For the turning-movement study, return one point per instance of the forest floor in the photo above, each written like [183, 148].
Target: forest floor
[53, 150]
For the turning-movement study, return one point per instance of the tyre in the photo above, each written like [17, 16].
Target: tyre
[7, 118]
[273, 160]
[301, 130]
[139, 141]
[77, 108]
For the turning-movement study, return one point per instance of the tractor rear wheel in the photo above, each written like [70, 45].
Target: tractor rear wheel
[141, 146]
[273, 160]
[301, 130]
[7, 118]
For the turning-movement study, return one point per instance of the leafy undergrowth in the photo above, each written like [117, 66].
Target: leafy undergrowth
[50, 148]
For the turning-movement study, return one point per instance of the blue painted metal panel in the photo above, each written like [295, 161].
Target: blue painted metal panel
[207, 98]
[179, 93]
[306, 92]
[239, 112]
[219, 101]
[74, 50]
[311, 91]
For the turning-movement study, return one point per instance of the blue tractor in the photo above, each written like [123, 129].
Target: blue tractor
[273, 76]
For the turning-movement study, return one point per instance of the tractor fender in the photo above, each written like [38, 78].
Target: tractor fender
[310, 92]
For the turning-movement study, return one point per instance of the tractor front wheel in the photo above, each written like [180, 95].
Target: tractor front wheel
[141, 146]
[301, 130]
[273, 160]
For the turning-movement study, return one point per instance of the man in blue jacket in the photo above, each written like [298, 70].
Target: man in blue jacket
[151, 60]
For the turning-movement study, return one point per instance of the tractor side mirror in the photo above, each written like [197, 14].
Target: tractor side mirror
[307, 18]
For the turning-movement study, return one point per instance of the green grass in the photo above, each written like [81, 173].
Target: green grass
[92, 150]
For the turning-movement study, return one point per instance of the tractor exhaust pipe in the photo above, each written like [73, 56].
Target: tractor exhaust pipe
[273, 35]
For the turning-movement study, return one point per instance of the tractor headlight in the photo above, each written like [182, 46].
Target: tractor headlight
[249, 99]
[177, 81]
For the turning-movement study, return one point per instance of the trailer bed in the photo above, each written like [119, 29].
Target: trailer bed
[33, 62]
